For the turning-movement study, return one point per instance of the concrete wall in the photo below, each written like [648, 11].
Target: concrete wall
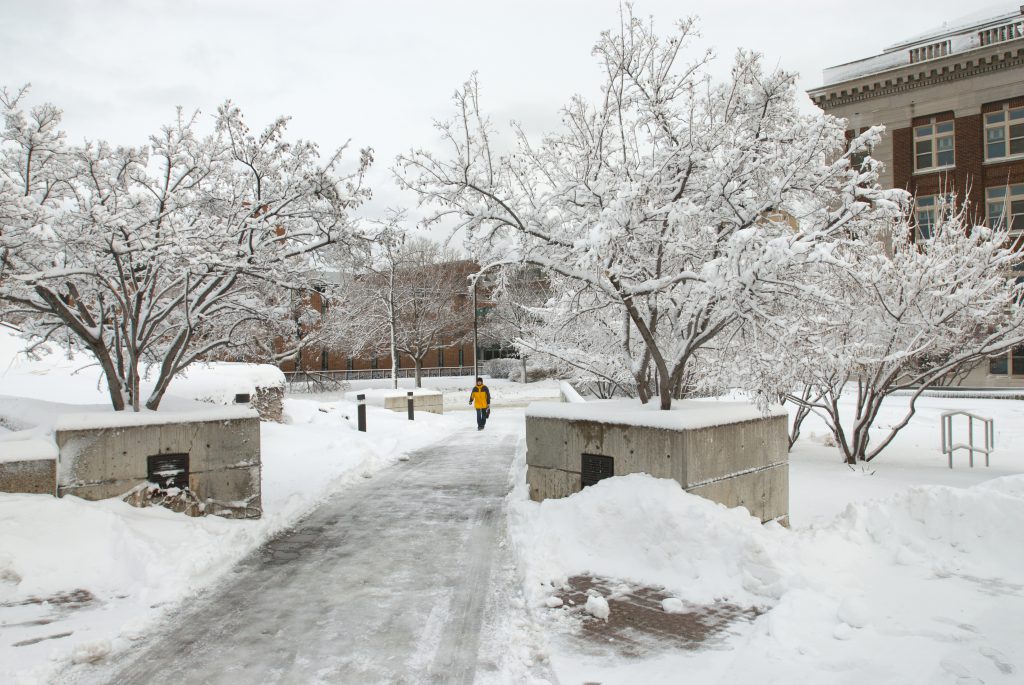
[744, 463]
[269, 403]
[224, 460]
[32, 476]
[433, 403]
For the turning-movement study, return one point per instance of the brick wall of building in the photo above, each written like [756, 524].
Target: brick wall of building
[971, 175]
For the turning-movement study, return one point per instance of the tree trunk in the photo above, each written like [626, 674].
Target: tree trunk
[522, 359]
[798, 420]
[418, 363]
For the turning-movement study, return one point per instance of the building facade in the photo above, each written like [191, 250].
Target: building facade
[952, 103]
[453, 353]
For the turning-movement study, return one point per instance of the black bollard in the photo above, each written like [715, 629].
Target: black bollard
[361, 412]
[412, 412]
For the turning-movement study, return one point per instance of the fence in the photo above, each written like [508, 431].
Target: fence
[323, 381]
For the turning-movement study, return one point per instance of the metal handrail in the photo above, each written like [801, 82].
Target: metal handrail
[338, 378]
[948, 446]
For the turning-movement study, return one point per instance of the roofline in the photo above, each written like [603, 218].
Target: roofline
[907, 67]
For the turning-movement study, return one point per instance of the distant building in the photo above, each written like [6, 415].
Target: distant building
[952, 102]
[454, 354]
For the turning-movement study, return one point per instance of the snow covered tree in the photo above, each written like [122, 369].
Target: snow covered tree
[887, 314]
[412, 295]
[433, 308]
[161, 255]
[516, 299]
[677, 207]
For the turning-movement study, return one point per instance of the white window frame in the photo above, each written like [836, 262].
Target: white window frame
[1001, 121]
[926, 213]
[999, 204]
[929, 133]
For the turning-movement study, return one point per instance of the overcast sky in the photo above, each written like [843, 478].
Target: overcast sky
[380, 72]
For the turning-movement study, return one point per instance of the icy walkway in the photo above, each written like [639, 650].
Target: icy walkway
[390, 581]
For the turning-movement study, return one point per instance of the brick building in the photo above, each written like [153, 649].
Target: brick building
[451, 357]
[952, 102]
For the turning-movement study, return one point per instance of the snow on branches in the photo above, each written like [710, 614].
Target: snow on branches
[680, 206]
[168, 252]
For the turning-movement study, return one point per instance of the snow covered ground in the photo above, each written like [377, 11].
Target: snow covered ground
[456, 389]
[135, 564]
[907, 572]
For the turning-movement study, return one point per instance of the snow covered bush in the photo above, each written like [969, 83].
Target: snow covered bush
[183, 247]
[537, 369]
[666, 212]
[500, 368]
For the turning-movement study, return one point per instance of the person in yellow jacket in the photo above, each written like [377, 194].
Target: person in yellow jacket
[480, 398]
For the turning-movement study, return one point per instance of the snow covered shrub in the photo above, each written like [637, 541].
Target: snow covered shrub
[501, 368]
[536, 370]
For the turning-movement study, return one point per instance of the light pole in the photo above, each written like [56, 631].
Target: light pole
[476, 343]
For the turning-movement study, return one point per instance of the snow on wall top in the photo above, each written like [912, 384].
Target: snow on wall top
[127, 419]
[684, 415]
[28, 448]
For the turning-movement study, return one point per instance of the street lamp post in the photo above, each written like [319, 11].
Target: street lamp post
[476, 343]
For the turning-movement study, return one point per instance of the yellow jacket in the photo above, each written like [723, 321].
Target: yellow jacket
[480, 397]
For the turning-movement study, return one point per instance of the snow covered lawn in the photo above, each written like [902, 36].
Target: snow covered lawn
[907, 572]
[135, 564]
[456, 389]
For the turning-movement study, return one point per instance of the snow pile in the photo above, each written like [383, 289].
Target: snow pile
[219, 382]
[647, 531]
[910, 588]
[54, 374]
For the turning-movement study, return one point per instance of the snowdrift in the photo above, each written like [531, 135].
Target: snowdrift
[924, 586]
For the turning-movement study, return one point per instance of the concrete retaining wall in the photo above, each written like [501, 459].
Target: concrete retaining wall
[737, 464]
[430, 402]
[35, 476]
[223, 456]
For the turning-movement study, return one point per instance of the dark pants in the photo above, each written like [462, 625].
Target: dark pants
[481, 418]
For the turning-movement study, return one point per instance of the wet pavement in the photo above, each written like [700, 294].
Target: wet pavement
[388, 582]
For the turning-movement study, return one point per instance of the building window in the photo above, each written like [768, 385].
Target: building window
[324, 360]
[927, 211]
[1004, 207]
[373, 362]
[462, 353]
[440, 357]
[933, 145]
[999, 366]
[1004, 133]
[1008, 364]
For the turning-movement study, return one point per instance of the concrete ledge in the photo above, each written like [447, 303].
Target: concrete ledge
[34, 476]
[551, 483]
[421, 401]
[108, 461]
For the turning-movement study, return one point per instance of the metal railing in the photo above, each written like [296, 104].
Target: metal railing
[323, 381]
[948, 446]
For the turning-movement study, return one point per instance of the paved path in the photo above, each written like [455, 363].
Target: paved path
[390, 581]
